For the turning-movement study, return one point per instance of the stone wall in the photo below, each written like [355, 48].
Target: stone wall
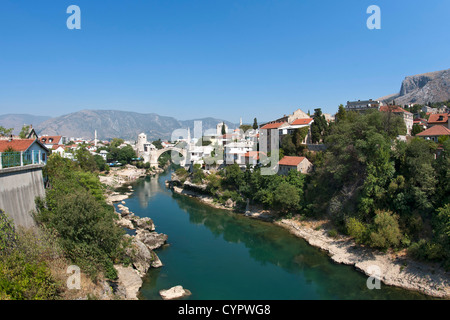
[19, 186]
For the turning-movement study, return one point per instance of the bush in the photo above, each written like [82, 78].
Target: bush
[387, 232]
[181, 172]
[426, 251]
[8, 236]
[213, 183]
[24, 270]
[76, 210]
[86, 229]
[21, 279]
[197, 175]
[333, 233]
[356, 229]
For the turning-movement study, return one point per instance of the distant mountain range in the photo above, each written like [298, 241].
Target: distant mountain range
[109, 124]
[17, 121]
[422, 88]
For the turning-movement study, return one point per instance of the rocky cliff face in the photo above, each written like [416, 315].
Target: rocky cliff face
[423, 88]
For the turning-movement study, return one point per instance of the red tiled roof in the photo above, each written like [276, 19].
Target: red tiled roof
[291, 161]
[437, 130]
[392, 109]
[274, 125]
[50, 139]
[16, 144]
[302, 121]
[434, 118]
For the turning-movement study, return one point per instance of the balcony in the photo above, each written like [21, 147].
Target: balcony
[21, 159]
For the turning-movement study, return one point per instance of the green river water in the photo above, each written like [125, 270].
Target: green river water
[217, 254]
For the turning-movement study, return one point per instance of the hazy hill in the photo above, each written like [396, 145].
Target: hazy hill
[423, 88]
[17, 121]
[121, 124]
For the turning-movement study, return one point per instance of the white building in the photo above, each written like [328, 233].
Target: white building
[234, 152]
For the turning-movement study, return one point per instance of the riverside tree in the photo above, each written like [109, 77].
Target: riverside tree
[75, 208]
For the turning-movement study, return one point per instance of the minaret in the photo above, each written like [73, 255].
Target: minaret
[189, 135]
[240, 122]
[95, 139]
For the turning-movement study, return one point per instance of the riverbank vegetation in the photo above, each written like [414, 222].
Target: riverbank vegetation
[384, 192]
[75, 226]
[76, 210]
[25, 259]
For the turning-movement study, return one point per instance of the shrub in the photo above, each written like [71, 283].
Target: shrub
[86, 229]
[387, 232]
[8, 236]
[21, 279]
[424, 250]
[213, 183]
[181, 172]
[24, 270]
[356, 229]
[333, 233]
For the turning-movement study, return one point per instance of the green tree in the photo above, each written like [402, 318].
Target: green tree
[319, 126]
[74, 207]
[86, 160]
[416, 129]
[298, 138]
[5, 132]
[101, 163]
[386, 231]
[286, 197]
[442, 169]
[158, 144]
[441, 222]
[116, 142]
[224, 131]
[255, 124]
[288, 146]
[245, 127]
[233, 175]
[356, 229]
[24, 132]
[126, 154]
[341, 114]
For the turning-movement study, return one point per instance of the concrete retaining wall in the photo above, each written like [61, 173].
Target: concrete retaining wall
[19, 186]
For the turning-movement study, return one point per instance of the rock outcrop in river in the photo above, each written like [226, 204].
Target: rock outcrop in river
[140, 252]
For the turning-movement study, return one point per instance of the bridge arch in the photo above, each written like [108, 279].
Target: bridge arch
[155, 154]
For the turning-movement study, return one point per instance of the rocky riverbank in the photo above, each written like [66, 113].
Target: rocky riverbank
[392, 269]
[145, 240]
[140, 252]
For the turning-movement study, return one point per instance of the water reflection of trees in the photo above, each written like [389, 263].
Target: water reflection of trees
[268, 243]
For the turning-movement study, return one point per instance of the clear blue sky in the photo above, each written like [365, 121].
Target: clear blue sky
[219, 58]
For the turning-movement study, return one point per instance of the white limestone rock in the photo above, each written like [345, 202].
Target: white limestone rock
[176, 292]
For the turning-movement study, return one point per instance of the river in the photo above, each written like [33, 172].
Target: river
[217, 254]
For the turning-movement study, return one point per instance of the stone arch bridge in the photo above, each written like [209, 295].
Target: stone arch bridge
[153, 155]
